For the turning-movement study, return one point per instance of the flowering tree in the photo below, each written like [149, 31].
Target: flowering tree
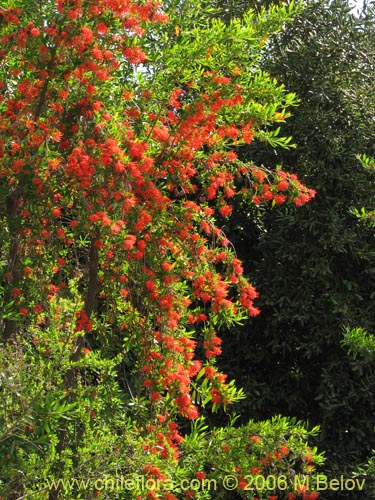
[118, 135]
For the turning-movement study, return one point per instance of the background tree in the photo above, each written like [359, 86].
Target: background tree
[315, 267]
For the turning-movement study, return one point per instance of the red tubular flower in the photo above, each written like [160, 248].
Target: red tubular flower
[200, 475]
[242, 483]
[225, 210]
[135, 55]
[284, 449]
